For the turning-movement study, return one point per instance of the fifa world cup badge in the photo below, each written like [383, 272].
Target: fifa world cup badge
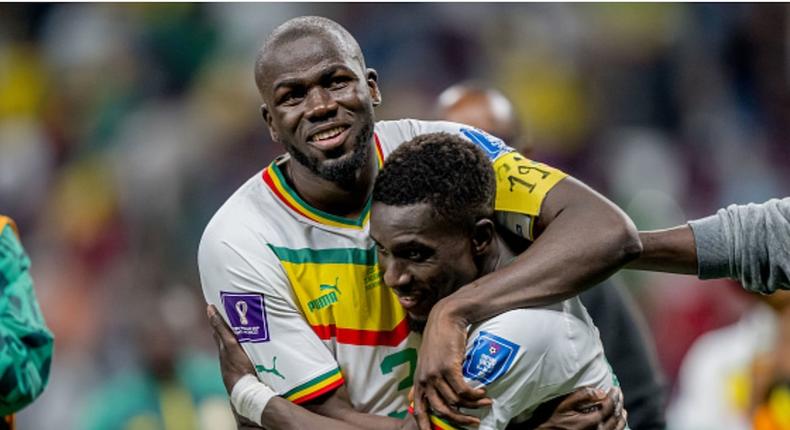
[246, 316]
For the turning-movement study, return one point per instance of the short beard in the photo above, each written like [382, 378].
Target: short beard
[340, 172]
[417, 326]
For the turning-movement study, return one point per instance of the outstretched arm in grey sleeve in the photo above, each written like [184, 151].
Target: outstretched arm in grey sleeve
[749, 243]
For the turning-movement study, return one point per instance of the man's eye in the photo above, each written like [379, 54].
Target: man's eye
[290, 98]
[338, 83]
[415, 255]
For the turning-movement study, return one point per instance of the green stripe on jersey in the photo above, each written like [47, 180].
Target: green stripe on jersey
[365, 257]
[338, 219]
[313, 382]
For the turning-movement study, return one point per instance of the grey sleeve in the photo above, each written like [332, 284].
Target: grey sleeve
[749, 243]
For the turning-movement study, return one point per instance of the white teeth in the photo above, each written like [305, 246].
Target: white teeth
[328, 134]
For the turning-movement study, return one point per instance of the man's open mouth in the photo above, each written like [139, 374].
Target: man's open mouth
[329, 139]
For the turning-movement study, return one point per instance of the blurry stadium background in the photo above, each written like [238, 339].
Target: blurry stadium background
[124, 127]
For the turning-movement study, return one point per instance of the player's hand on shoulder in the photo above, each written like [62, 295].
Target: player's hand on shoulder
[233, 361]
[439, 385]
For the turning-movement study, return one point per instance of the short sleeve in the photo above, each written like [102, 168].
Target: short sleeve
[527, 357]
[252, 294]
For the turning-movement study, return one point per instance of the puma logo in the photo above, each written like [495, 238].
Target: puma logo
[273, 370]
[325, 287]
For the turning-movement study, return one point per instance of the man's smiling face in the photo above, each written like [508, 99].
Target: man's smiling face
[318, 102]
[422, 258]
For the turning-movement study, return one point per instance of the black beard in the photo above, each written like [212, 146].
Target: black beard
[417, 326]
[342, 173]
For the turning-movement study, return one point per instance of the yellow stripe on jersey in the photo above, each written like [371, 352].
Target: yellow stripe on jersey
[273, 177]
[523, 184]
[315, 387]
[440, 424]
[339, 291]
[436, 422]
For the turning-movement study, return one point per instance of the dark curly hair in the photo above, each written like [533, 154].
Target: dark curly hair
[445, 170]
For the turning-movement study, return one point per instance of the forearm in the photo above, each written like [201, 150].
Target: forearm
[671, 250]
[587, 239]
[280, 414]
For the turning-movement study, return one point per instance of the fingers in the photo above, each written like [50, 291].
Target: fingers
[471, 398]
[221, 330]
[617, 394]
[615, 422]
[623, 421]
[455, 389]
[611, 414]
[439, 408]
[446, 393]
[608, 405]
[583, 400]
[421, 410]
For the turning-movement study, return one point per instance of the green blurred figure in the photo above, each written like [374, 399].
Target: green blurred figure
[173, 387]
[25, 341]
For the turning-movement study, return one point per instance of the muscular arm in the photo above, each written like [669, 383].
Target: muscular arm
[582, 239]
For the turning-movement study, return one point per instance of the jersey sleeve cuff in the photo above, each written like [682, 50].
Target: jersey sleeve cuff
[318, 386]
[436, 422]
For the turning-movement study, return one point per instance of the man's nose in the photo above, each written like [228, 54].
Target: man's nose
[320, 103]
[396, 276]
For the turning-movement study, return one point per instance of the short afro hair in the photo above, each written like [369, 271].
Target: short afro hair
[446, 171]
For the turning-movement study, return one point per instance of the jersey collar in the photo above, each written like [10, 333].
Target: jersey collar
[275, 180]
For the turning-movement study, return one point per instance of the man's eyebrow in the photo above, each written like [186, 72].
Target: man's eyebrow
[292, 82]
[287, 82]
[409, 244]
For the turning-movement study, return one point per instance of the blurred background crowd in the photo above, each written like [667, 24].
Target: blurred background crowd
[123, 127]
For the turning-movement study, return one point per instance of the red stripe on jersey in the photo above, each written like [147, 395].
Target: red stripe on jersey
[329, 388]
[267, 178]
[364, 337]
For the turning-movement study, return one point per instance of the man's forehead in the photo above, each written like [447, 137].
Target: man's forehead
[297, 54]
[405, 222]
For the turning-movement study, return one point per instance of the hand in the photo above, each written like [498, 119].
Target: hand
[233, 361]
[439, 385]
[588, 409]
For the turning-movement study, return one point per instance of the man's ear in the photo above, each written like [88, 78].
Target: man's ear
[372, 79]
[267, 116]
[482, 235]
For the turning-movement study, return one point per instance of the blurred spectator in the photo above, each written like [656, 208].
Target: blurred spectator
[26, 351]
[728, 373]
[173, 388]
